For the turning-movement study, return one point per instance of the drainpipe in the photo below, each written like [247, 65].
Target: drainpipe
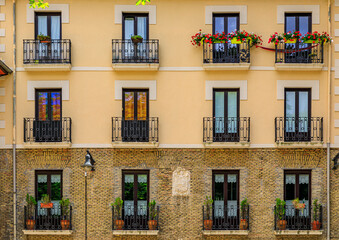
[14, 124]
[329, 122]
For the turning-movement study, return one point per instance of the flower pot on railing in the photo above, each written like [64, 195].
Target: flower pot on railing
[46, 205]
[316, 225]
[152, 224]
[208, 224]
[136, 39]
[119, 224]
[281, 224]
[291, 41]
[65, 224]
[30, 223]
[311, 41]
[236, 41]
[243, 224]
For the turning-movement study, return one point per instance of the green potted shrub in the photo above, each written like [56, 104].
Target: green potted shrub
[64, 205]
[152, 223]
[244, 212]
[136, 39]
[31, 202]
[208, 222]
[119, 223]
[44, 38]
[46, 201]
[316, 210]
[280, 212]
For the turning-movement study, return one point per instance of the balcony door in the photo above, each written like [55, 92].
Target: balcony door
[135, 24]
[135, 125]
[226, 115]
[225, 199]
[48, 24]
[225, 52]
[48, 115]
[135, 194]
[297, 115]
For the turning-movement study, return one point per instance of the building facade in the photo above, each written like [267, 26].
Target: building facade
[168, 121]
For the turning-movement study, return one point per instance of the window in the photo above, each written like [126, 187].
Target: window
[48, 115]
[135, 125]
[226, 115]
[135, 24]
[48, 24]
[135, 194]
[225, 198]
[297, 114]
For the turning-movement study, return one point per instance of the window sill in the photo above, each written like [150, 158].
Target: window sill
[299, 66]
[135, 66]
[43, 67]
[47, 145]
[47, 232]
[226, 144]
[135, 144]
[226, 66]
[136, 232]
[299, 144]
[225, 232]
[298, 232]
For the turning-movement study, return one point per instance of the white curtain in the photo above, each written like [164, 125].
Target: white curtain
[56, 46]
[42, 29]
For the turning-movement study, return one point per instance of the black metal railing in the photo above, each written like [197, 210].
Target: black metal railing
[226, 217]
[135, 130]
[298, 219]
[299, 53]
[223, 129]
[48, 131]
[53, 51]
[226, 53]
[134, 217]
[302, 129]
[125, 51]
[47, 218]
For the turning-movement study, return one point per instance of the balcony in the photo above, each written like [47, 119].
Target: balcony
[299, 130]
[36, 131]
[298, 222]
[226, 132]
[136, 221]
[129, 56]
[53, 55]
[135, 133]
[225, 220]
[299, 57]
[226, 56]
[47, 221]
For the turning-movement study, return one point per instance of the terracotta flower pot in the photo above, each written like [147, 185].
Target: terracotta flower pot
[316, 225]
[46, 205]
[281, 224]
[65, 224]
[45, 41]
[152, 224]
[208, 224]
[137, 40]
[243, 224]
[119, 224]
[30, 223]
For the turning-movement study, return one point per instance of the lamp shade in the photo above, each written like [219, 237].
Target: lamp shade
[88, 162]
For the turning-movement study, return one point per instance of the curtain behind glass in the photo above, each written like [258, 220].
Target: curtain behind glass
[219, 125]
[290, 111]
[232, 112]
[129, 31]
[303, 112]
[55, 34]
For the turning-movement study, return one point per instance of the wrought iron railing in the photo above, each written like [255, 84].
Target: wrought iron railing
[47, 218]
[48, 131]
[134, 218]
[226, 53]
[125, 51]
[226, 217]
[298, 219]
[223, 129]
[135, 130]
[53, 51]
[302, 129]
[299, 53]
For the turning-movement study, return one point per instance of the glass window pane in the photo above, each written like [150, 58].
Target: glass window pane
[128, 186]
[55, 27]
[43, 104]
[232, 187]
[55, 187]
[142, 105]
[303, 112]
[303, 24]
[129, 28]
[232, 24]
[290, 180]
[232, 112]
[303, 187]
[219, 106]
[42, 25]
[142, 27]
[218, 198]
[42, 185]
[56, 106]
[142, 187]
[219, 24]
[290, 23]
[129, 105]
[290, 111]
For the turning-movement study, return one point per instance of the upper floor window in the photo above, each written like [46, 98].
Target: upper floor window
[48, 24]
[225, 23]
[135, 24]
[298, 22]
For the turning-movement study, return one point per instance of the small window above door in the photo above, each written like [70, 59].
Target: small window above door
[48, 24]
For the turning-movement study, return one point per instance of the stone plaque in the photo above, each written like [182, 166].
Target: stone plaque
[181, 182]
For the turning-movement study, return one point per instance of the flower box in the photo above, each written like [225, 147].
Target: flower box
[311, 41]
[46, 205]
[290, 41]
[236, 41]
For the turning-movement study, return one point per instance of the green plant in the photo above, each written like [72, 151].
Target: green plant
[279, 208]
[31, 202]
[45, 198]
[43, 37]
[118, 206]
[316, 208]
[244, 208]
[208, 203]
[136, 37]
[152, 210]
[64, 204]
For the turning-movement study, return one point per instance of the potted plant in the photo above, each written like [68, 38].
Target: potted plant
[280, 212]
[46, 201]
[208, 222]
[31, 202]
[316, 209]
[119, 223]
[152, 223]
[244, 213]
[44, 38]
[136, 39]
[64, 205]
[298, 205]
